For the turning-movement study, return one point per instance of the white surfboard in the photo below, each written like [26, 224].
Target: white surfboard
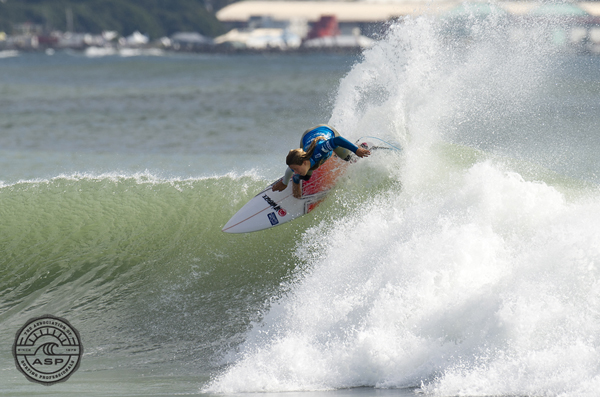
[268, 208]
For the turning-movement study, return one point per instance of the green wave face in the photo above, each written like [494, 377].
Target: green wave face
[138, 262]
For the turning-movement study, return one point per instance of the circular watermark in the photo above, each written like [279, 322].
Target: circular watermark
[47, 350]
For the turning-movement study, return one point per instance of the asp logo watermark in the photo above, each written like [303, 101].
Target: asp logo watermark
[47, 350]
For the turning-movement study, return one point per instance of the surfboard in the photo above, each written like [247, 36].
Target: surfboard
[269, 209]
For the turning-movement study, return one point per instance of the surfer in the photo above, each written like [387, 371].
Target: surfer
[316, 145]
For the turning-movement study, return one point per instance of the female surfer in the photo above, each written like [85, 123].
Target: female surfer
[316, 146]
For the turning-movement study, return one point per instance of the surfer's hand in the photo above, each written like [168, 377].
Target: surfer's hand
[278, 187]
[362, 152]
[296, 190]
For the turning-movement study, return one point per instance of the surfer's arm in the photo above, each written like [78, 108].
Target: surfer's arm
[296, 190]
[283, 182]
[287, 176]
[339, 141]
[343, 142]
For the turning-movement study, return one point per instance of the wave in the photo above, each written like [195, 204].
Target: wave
[467, 264]
[136, 260]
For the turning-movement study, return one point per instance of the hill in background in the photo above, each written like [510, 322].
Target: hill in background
[155, 18]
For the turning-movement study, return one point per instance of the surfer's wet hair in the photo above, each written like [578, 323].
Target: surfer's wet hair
[299, 156]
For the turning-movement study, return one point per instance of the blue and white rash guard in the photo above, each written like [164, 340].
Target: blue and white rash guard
[323, 150]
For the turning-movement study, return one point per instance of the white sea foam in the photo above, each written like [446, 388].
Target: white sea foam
[489, 289]
[469, 279]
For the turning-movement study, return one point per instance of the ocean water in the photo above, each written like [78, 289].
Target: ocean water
[466, 265]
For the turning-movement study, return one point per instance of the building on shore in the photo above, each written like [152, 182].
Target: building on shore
[363, 14]
[366, 16]
[580, 21]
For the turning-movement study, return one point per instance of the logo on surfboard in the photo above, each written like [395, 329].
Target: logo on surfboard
[273, 218]
[47, 350]
[274, 205]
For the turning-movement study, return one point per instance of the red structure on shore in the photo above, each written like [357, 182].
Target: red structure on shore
[324, 27]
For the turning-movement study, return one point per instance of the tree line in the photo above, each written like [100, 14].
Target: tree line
[155, 18]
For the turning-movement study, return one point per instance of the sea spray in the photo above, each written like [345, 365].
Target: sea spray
[465, 277]
[461, 293]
